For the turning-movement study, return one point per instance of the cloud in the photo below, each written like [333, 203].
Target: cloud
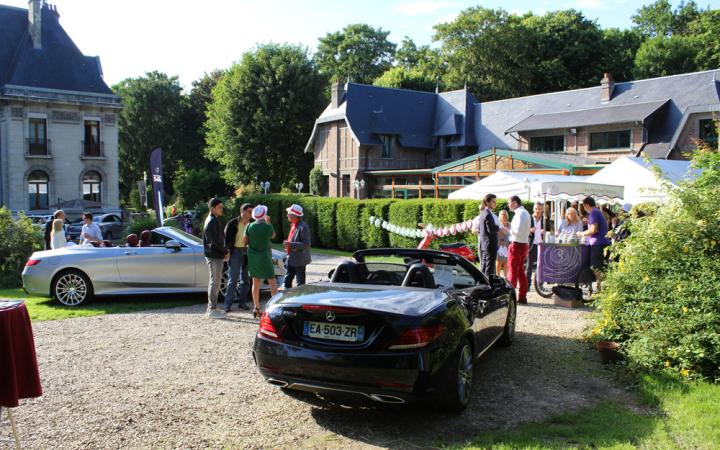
[422, 7]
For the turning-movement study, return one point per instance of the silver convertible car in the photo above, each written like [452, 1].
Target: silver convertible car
[173, 263]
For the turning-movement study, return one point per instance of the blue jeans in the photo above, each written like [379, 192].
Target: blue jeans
[292, 272]
[238, 273]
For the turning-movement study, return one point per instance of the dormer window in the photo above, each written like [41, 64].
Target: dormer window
[708, 132]
[387, 143]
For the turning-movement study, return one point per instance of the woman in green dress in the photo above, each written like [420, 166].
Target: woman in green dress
[260, 266]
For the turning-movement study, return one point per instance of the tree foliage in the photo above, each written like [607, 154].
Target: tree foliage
[317, 181]
[196, 115]
[359, 52]
[261, 115]
[18, 240]
[152, 116]
[193, 185]
[400, 77]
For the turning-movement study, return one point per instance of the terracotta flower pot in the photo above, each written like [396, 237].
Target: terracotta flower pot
[609, 351]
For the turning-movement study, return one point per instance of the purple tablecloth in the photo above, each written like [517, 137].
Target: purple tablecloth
[561, 263]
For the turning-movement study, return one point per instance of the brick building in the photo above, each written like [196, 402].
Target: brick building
[58, 118]
[428, 144]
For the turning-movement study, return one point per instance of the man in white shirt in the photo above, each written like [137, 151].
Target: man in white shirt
[90, 231]
[518, 249]
[538, 226]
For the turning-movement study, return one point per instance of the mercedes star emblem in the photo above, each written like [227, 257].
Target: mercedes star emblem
[330, 316]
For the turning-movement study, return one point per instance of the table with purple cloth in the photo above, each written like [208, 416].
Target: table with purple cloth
[561, 263]
[19, 376]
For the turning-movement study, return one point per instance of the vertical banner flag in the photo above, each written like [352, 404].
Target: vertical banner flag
[157, 183]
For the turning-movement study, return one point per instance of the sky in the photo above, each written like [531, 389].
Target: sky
[189, 38]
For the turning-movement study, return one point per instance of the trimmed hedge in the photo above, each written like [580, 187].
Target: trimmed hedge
[342, 223]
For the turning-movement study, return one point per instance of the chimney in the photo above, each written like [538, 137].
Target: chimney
[336, 94]
[35, 22]
[606, 86]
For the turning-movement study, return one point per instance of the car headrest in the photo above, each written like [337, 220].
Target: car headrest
[346, 272]
[132, 240]
[419, 276]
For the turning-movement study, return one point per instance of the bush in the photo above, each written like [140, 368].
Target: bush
[405, 213]
[317, 181]
[18, 240]
[660, 301]
[447, 212]
[141, 224]
[326, 222]
[372, 236]
[349, 226]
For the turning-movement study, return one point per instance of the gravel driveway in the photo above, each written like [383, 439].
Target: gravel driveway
[174, 379]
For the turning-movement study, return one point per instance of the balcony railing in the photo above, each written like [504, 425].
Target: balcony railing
[37, 147]
[93, 149]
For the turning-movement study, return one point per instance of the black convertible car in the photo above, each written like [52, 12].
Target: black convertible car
[392, 332]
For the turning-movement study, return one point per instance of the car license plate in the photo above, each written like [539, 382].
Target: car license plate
[334, 331]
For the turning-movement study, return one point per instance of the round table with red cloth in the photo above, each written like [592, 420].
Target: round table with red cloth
[19, 377]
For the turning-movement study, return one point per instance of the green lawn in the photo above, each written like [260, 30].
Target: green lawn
[679, 415]
[46, 309]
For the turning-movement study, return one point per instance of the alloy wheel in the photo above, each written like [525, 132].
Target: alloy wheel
[71, 289]
[465, 374]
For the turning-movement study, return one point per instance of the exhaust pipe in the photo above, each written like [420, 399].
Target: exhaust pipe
[278, 383]
[386, 399]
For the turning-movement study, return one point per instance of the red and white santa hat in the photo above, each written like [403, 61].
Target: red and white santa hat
[295, 210]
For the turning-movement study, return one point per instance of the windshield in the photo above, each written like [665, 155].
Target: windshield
[181, 235]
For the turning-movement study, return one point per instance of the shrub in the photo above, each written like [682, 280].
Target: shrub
[372, 236]
[18, 240]
[349, 225]
[326, 222]
[140, 224]
[406, 213]
[447, 212]
[660, 301]
[317, 181]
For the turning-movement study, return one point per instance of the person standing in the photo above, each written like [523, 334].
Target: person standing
[595, 237]
[91, 233]
[59, 214]
[215, 254]
[518, 249]
[260, 266]
[538, 226]
[572, 223]
[57, 236]
[297, 246]
[486, 227]
[237, 264]
[501, 266]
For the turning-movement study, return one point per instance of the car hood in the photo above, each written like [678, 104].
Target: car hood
[388, 299]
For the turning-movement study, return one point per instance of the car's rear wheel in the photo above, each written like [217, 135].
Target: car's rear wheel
[508, 335]
[459, 378]
[72, 288]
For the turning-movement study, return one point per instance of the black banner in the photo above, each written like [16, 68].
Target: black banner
[157, 183]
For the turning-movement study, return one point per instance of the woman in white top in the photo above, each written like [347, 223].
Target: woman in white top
[503, 242]
[57, 235]
[572, 223]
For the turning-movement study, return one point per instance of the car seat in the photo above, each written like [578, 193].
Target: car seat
[419, 276]
[346, 272]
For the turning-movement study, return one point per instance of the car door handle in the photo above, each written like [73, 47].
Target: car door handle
[131, 253]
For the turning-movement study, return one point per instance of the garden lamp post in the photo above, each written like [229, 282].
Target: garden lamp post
[359, 185]
[265, 185]
[299, 186]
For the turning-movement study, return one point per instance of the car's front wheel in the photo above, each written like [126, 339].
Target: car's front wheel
[459, 378]
[72, 288]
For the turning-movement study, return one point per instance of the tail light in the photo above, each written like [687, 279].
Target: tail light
[417, 337]
[32, 262]
[267, 329]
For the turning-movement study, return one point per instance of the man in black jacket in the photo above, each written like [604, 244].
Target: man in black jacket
[486, 228]
[237, 264]
[215, 254]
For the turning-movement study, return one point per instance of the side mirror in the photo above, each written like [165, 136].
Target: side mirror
[331, 273]
[173, 244]
[497, 280]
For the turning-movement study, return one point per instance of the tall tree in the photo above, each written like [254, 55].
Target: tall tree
[262, 113]
[196, 114]
[152, 116]
[705, 35]
[402, 78]
[485, 49]
[359, 52]
[659, 19]
[619, 50]
[662, 56]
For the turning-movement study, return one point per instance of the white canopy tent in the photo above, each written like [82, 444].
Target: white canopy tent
[640, 182]
[507, 184]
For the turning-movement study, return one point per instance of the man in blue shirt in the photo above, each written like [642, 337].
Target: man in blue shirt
[90, 231]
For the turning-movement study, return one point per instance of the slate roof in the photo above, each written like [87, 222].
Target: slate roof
[416, 118]
[58, 66]
[589, 117]
[683, 93]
